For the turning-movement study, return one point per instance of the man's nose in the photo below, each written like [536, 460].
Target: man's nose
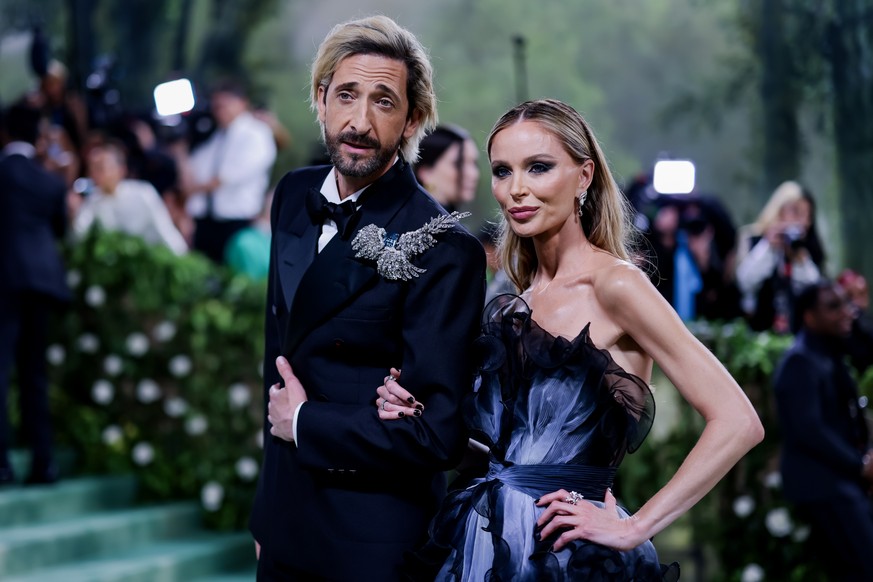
[360, 122]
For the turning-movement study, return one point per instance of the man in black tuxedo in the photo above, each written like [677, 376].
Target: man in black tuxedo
[826, 465]
[32, 284]
[342, 495]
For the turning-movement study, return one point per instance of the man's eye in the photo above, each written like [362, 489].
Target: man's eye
[385, 103]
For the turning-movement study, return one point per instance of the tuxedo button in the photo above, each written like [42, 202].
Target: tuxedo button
[330, 471]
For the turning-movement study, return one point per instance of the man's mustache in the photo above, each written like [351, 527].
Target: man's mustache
[359, 139]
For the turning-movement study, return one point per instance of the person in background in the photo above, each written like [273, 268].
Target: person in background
[130, 206]
[826, 465]
[860, 343]
[32, 286]
[777, 255]
[248, 251]
[229, 172]
[448, 166]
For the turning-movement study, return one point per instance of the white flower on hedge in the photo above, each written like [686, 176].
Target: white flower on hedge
[239, 395]
[137, 344]
[752, 573]
[112, 434]
[55, 354]
[212, 495]
[800, 534]
[74, 277]
[247, 468]
[147, 391]
[164, 331]
[175, 407]
[95, 296]
[102, 391]
[744, 505]
[88, 343]
[778, 522]
[143, 454]
[180, 365]
[773, 480]
[196, 425]
[112, 365]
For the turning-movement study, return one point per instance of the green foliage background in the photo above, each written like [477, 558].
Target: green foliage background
[189, 341]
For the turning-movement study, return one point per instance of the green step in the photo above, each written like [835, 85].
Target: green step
[40, 503]
[24, 548]
[20, 461]
[182, 560]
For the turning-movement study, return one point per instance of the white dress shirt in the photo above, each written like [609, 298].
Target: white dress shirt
[241, 157]
[134, 208]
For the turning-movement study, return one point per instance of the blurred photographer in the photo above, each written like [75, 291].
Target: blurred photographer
[778, 255]
[860, 344]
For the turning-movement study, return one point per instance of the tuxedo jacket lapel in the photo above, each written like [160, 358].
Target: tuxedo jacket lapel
[296, 251]
[335, 277]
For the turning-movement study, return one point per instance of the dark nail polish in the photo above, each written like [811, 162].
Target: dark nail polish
[410, 400]
[419, 407]
[537, 502]
[537, 536]
[416, 412]
[400, 415]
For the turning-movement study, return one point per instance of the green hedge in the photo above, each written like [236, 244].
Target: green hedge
[156, 368]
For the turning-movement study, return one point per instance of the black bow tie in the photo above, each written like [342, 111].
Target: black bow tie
[321, 210]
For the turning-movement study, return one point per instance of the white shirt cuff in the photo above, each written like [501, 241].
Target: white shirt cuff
[294, 422]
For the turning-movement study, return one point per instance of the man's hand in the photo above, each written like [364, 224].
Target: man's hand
[284, 401]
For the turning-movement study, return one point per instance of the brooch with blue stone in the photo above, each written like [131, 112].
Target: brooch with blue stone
[392, 251]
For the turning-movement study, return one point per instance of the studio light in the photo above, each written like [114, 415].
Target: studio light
[174, 97]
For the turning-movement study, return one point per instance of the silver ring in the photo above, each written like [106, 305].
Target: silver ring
[382, 406]
[388, 377]
[573, 498]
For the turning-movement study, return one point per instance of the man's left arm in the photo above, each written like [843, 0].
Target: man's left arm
[440, 320]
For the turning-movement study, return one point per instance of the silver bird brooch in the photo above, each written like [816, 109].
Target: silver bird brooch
[392, 252]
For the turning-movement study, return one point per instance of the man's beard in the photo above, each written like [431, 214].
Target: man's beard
[354, 165]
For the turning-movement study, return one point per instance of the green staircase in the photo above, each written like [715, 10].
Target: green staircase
[90, 529]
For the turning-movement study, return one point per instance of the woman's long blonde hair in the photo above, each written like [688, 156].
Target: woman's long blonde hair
[606, 216]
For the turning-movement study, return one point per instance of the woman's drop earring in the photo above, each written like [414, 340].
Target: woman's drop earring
[582, 197]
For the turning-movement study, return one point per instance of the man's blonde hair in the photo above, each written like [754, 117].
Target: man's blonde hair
[379, 35]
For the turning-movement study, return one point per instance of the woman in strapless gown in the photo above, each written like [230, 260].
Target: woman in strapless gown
[561, 393]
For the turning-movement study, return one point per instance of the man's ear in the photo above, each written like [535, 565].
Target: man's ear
[321, 102]
[412, 124]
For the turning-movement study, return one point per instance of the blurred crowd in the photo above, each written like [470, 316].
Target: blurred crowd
[204, 184]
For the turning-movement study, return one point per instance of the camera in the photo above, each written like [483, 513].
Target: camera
[794, 236]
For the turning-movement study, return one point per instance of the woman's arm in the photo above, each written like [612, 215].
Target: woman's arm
[732, 425]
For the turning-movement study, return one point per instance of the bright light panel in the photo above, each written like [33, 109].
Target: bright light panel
[174, 97]
[673, 177]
